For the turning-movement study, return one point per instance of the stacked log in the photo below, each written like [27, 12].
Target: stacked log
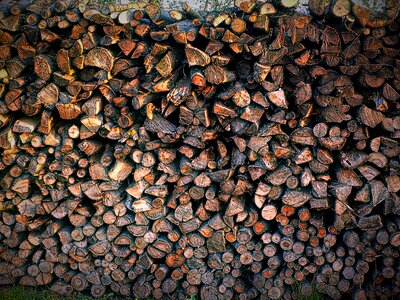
[155, 153]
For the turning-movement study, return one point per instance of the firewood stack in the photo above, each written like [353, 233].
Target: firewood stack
[156, 153]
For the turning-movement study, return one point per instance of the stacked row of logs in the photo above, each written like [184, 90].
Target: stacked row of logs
[250, 154]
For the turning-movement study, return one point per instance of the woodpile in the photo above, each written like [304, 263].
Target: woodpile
[232, 155]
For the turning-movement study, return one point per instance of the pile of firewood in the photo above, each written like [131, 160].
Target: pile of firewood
[234, 155]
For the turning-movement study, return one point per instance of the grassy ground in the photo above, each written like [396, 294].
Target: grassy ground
[313, 294]
[26, 293]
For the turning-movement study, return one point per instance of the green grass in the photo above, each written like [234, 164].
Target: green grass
[19, 293]
[26, 293]
[16, 292]
[298, 293]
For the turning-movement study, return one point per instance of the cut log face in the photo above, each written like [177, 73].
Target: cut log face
[26, 125]
[278, 98]
[249, 153]
[370, 117]
[43, 67]
[101, 58]
[49, 95]
[196, 57]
